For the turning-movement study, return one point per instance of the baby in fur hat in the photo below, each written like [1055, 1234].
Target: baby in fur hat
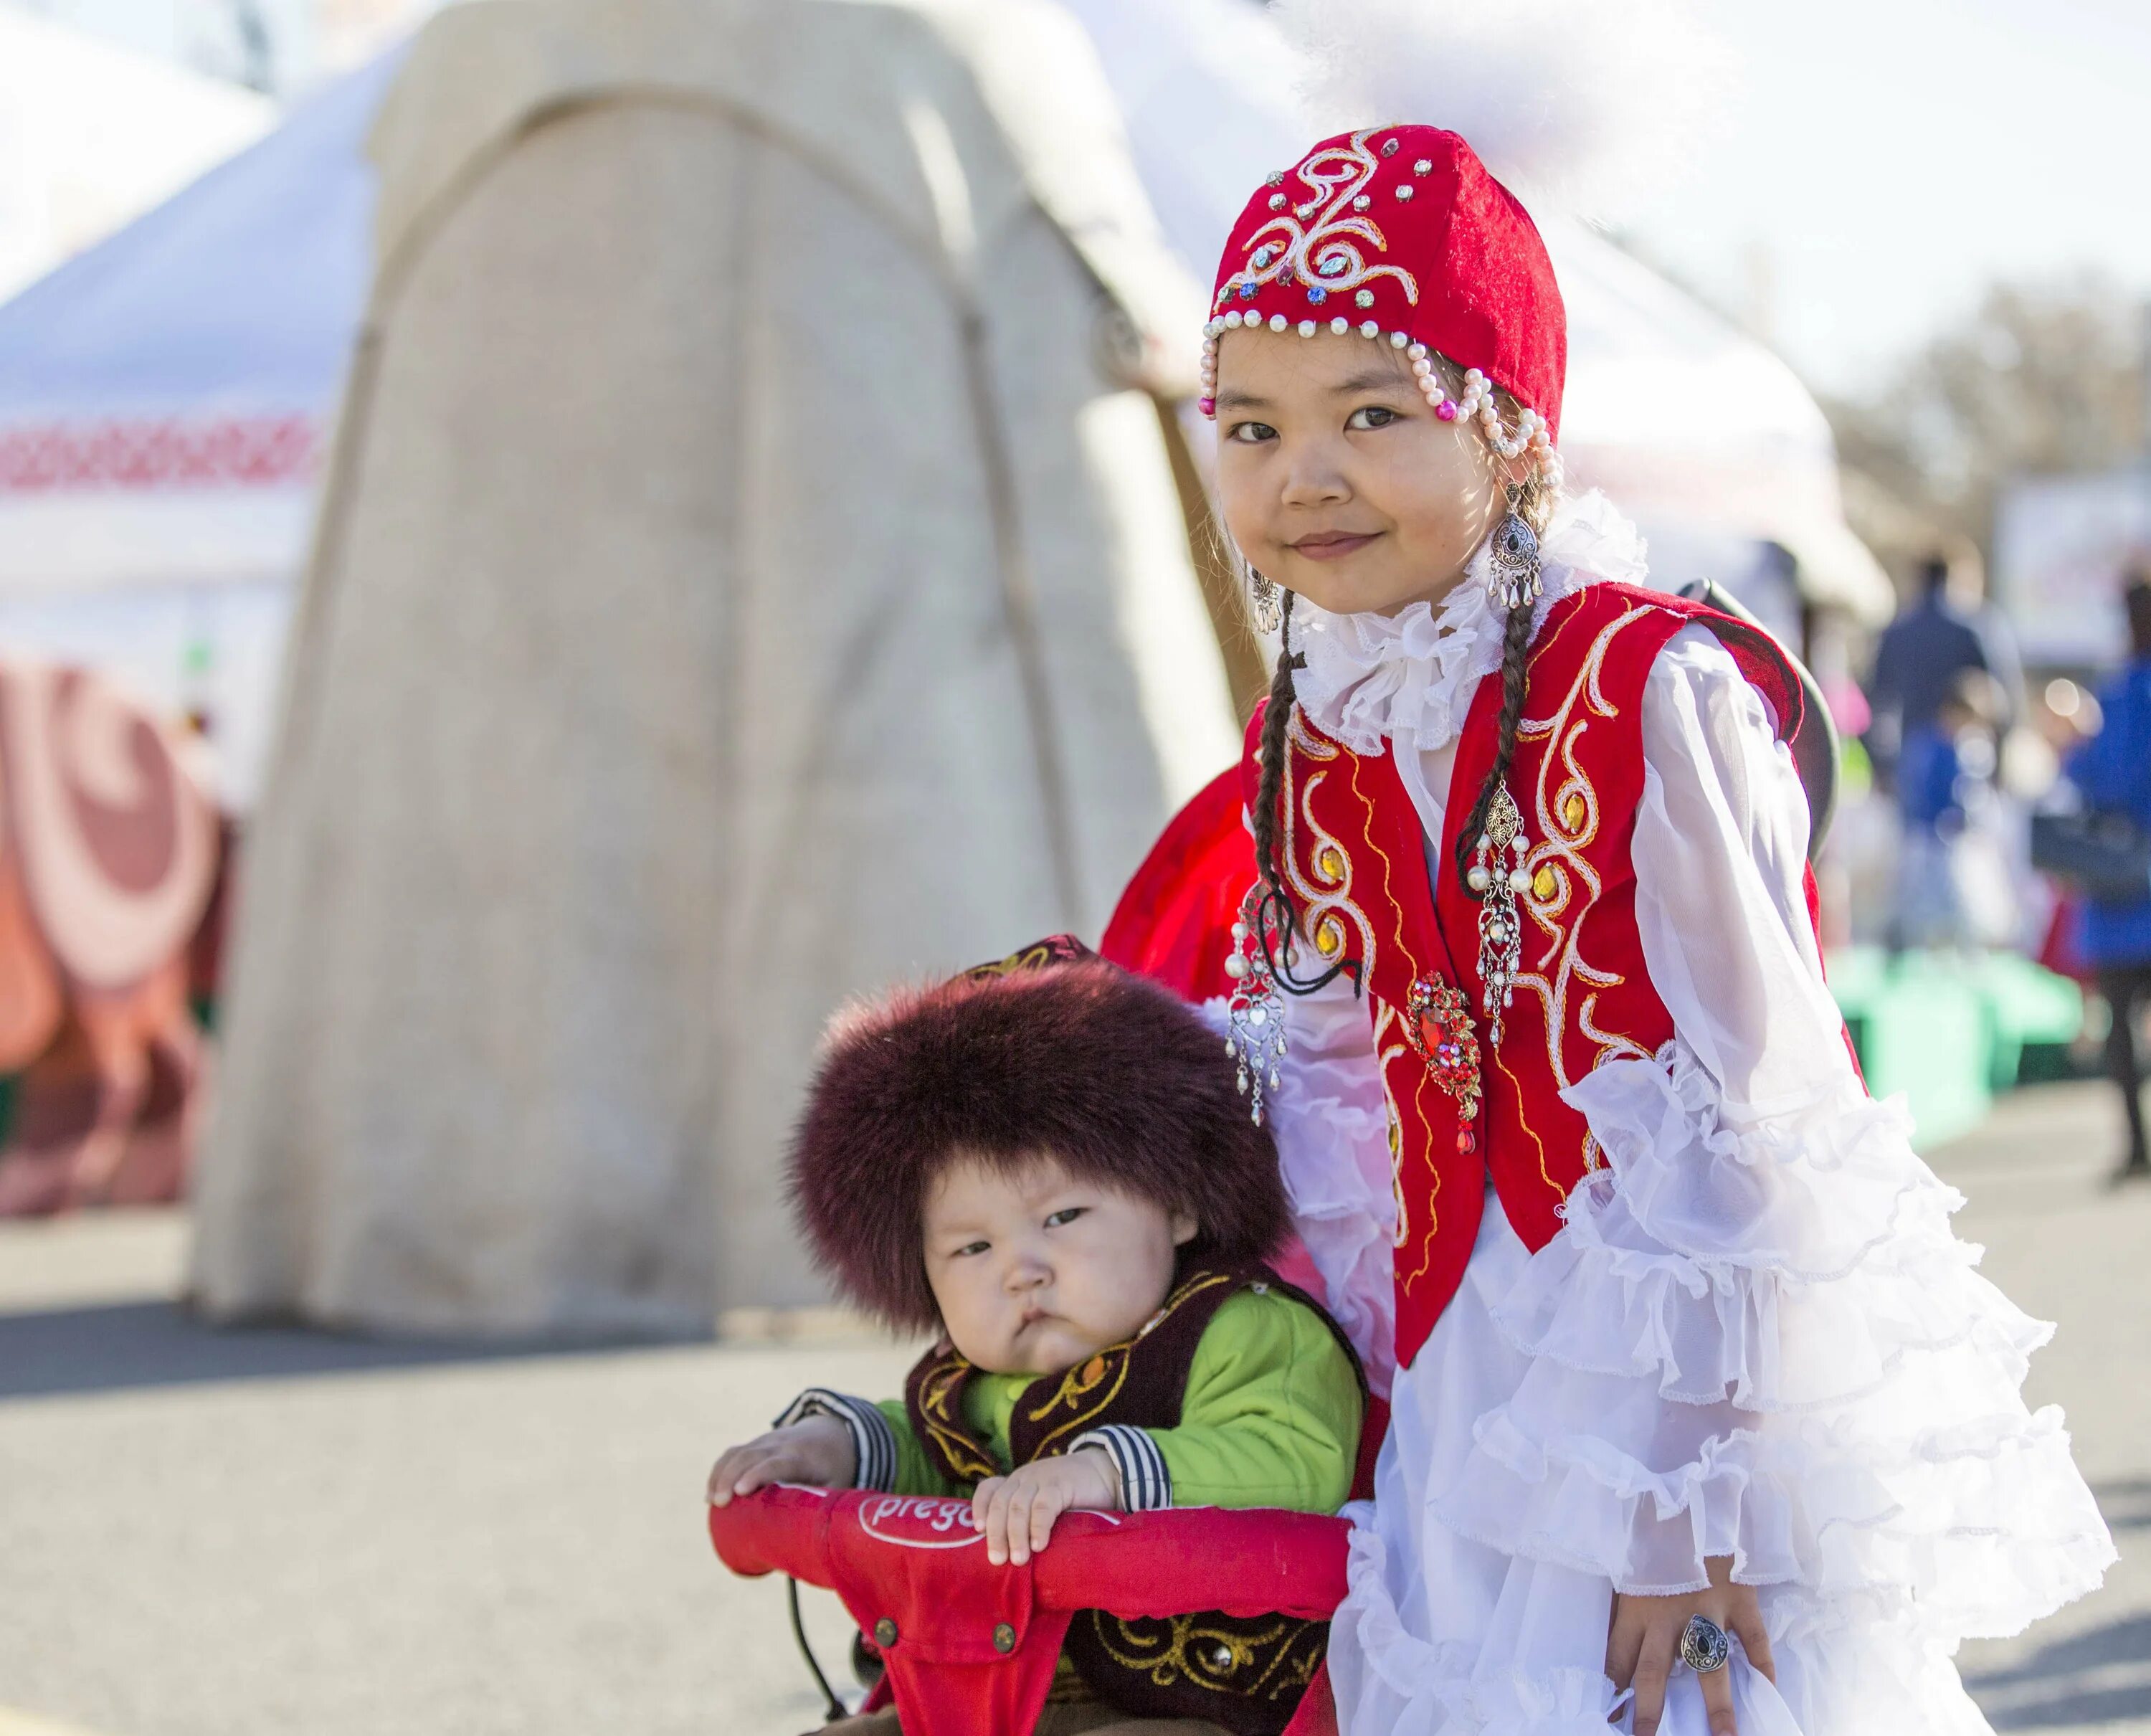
[1052, 1169]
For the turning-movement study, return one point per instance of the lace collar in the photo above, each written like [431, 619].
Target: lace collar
[1411, 676]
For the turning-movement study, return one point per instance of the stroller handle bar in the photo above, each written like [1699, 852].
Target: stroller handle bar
[1178, 1561]
[969, 1647]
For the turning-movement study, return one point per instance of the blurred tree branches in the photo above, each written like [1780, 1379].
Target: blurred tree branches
[2040, 379]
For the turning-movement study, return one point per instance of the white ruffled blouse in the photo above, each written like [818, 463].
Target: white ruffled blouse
[1755, 1336]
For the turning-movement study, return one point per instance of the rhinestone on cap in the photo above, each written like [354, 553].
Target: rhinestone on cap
[1361, 203]
[1404, 191]
[1318, 294]
[1389, 147]
[1275, 178]
[1365, 298]
[1277, 201]
[1422, 166]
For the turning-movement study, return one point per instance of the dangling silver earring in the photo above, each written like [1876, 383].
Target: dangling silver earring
[1266, 600]
[1512, 579]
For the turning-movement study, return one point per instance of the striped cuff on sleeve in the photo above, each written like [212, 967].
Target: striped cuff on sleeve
[1146, 1484]
[873, 1440]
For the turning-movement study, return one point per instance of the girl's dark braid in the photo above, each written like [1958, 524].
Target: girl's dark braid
[1275, 722]
[1516, 659]
[1277, 916]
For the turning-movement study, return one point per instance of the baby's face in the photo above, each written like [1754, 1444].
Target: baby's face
[1035, 1271]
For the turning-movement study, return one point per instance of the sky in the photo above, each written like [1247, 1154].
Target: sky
[1884, 160]
[1879, 164]
[301, 40]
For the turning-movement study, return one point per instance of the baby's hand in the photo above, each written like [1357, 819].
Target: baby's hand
[817, 1450]
[1016, 1512]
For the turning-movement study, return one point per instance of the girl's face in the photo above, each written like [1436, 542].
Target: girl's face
[1336, 478]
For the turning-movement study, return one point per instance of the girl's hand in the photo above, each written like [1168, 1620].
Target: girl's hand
[1016, 1512]
[1643, 1643]
[816, 1450]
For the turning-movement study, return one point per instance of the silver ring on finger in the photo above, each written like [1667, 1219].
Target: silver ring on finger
[1704, 1647]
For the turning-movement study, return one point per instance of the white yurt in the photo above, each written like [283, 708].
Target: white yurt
[749, 570]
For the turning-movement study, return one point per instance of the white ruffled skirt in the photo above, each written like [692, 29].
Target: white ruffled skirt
[1763, 1343]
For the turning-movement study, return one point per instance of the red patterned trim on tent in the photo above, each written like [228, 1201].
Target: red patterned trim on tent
[158, 453]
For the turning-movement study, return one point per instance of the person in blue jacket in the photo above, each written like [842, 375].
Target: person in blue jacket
[2112, 771]
[1943, 771]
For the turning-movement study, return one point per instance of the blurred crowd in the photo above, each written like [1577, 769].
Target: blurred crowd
[2003, 812]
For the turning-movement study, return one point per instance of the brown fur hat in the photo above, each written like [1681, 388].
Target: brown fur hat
[1112, 1073]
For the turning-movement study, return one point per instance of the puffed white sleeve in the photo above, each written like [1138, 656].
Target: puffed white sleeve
[1332, 1128]
[1756, 1335]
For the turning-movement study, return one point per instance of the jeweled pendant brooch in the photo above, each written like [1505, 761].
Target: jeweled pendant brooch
[1437, 1025]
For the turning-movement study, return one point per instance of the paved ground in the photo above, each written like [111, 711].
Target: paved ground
[2071, 1249]
[277, 1534]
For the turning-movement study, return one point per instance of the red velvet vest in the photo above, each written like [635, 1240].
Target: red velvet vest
[1352, 847]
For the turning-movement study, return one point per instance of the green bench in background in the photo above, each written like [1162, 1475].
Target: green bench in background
[1951, 1030]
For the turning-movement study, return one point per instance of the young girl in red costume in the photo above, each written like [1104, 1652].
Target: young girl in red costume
[1700, 1415]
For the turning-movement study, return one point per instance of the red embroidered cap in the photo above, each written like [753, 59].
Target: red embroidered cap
[1400, 234]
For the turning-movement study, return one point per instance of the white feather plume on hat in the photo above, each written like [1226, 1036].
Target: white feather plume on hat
[1582, 106]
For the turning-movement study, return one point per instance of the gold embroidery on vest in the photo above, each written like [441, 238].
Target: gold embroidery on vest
[1323, 887]
[1099, 1380]
[1387, 1023]
[1031, 958]
[1215, 1655]
[1569, 820]
[1421, 1079]
[1391, 895]
[1087, 1389]
[1387, 1018]
[1523, 1121]
[939, 1399]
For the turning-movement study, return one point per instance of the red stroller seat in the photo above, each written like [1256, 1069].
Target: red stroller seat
[970, 1648]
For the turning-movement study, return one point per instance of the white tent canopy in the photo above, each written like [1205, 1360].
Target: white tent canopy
[1702, 434]
[164, 398]
[91, 135]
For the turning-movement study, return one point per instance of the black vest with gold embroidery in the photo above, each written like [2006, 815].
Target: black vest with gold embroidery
[1247, 1675]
